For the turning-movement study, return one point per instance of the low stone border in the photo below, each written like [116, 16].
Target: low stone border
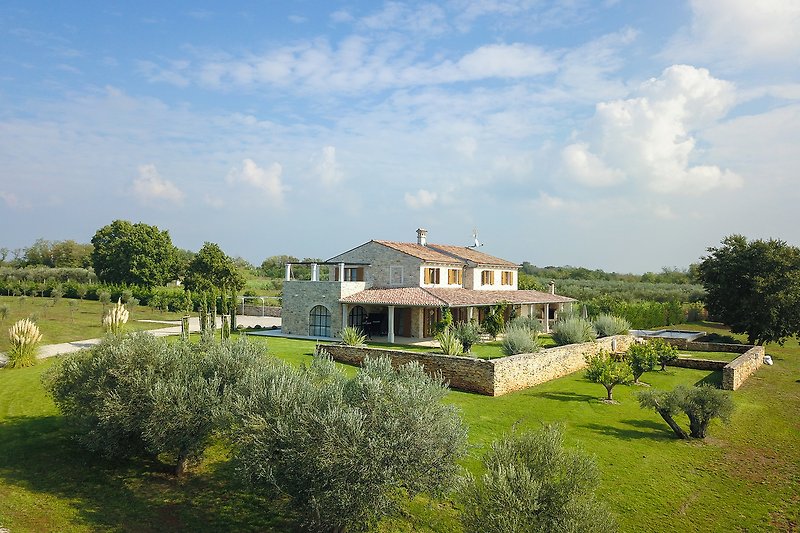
[734, 373]
[492, 377]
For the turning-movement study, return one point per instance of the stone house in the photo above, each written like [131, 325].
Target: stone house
[400, 289]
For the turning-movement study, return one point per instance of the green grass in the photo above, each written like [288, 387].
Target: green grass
[744, 477]
[713, 356]
[60, 322]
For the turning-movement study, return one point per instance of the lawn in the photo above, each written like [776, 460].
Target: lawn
[744, 477]
[713, 356]
[70, 320]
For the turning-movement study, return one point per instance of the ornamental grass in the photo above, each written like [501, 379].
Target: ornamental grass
[25, 337]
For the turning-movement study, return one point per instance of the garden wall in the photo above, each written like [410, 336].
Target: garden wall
[734, 373]
[493, 377]
[683, 344]
[256, 310]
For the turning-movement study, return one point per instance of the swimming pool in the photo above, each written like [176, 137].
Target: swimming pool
[668, 334]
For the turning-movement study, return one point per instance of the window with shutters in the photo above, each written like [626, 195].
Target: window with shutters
[431, 276]
[487, 277]
[454, 276]
[506, 277]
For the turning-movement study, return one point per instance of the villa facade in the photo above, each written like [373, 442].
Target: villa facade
[400, 289]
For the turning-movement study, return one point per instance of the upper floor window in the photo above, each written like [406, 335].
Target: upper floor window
[350, 274]
[396, 275]
[431, 276]
[487, 277]
[455, 276]
[507, 277]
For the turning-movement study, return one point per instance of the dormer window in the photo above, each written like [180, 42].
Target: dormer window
[455, 276]
[431, 276]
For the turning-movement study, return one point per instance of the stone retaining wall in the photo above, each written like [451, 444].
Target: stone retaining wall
[463, 373]
[734, 373]
[683, 344]
[741, 368]
[256, 310]
[492, 377]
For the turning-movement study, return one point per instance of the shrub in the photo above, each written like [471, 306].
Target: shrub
[531, 324]
[4, 310]
[450, 343]
[24, 336]
[353, 336]
[573, 330]
[347, 450]
[642, 358]
[446, 321]
[137, 393]
[603, 369]
[493, 322]
[532, 483]
[468, 333]
[519, 340]
[608, 325]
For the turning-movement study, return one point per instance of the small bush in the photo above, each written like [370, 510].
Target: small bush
[24, 336]
[665, 353]
[450, 343]
[608, 325]
[527, 322]
[605, 370]
[352, 336]
[115, 319]
[519, 340]
[4, 310]
[468, 333]
[573, 330]
[532, 483]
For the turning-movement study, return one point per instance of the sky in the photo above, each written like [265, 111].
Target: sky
[623, 135]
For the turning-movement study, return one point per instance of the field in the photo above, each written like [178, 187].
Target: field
[70, 320]
[744, 477]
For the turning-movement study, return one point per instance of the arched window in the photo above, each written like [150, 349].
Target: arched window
[319, 322]
[356, 317]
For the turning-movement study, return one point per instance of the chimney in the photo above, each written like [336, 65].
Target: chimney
[552, 286]
[422, 237]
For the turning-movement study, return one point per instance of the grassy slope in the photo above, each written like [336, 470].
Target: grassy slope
[62, 323]
[744, 477]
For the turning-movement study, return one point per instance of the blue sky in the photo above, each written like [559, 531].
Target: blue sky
[622, 135]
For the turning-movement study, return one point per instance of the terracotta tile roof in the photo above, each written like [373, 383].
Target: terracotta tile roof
[426, 253]
[419, 297]
[406, 296]
[462, 297]
[471, 255]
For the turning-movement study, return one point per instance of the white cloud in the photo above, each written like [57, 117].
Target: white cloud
[649, 138]
[421, 199]
[327, 168]
[150, 186]
[268, 180]
[504, 61]
[741, 32]
[587, 168]
[466, 146]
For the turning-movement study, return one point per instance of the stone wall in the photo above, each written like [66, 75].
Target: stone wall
[492, 377]
[256, 310]
[380, 258]
[741, 368]
[463, 373]
[683, 344]
[734, 373]
[299, 297]
[521, 371]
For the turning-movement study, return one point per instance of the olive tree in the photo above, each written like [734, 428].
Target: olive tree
[532, 483]
[642, 358]
[347, 450]
[700, 404]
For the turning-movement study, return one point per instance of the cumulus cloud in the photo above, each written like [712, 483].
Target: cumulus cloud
[327, 168]
[741, 32]
[421, 199]
[649, 138]
[150, 186]
[268, 180]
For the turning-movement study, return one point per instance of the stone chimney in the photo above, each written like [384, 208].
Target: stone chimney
[422, 237]
[552, 286]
